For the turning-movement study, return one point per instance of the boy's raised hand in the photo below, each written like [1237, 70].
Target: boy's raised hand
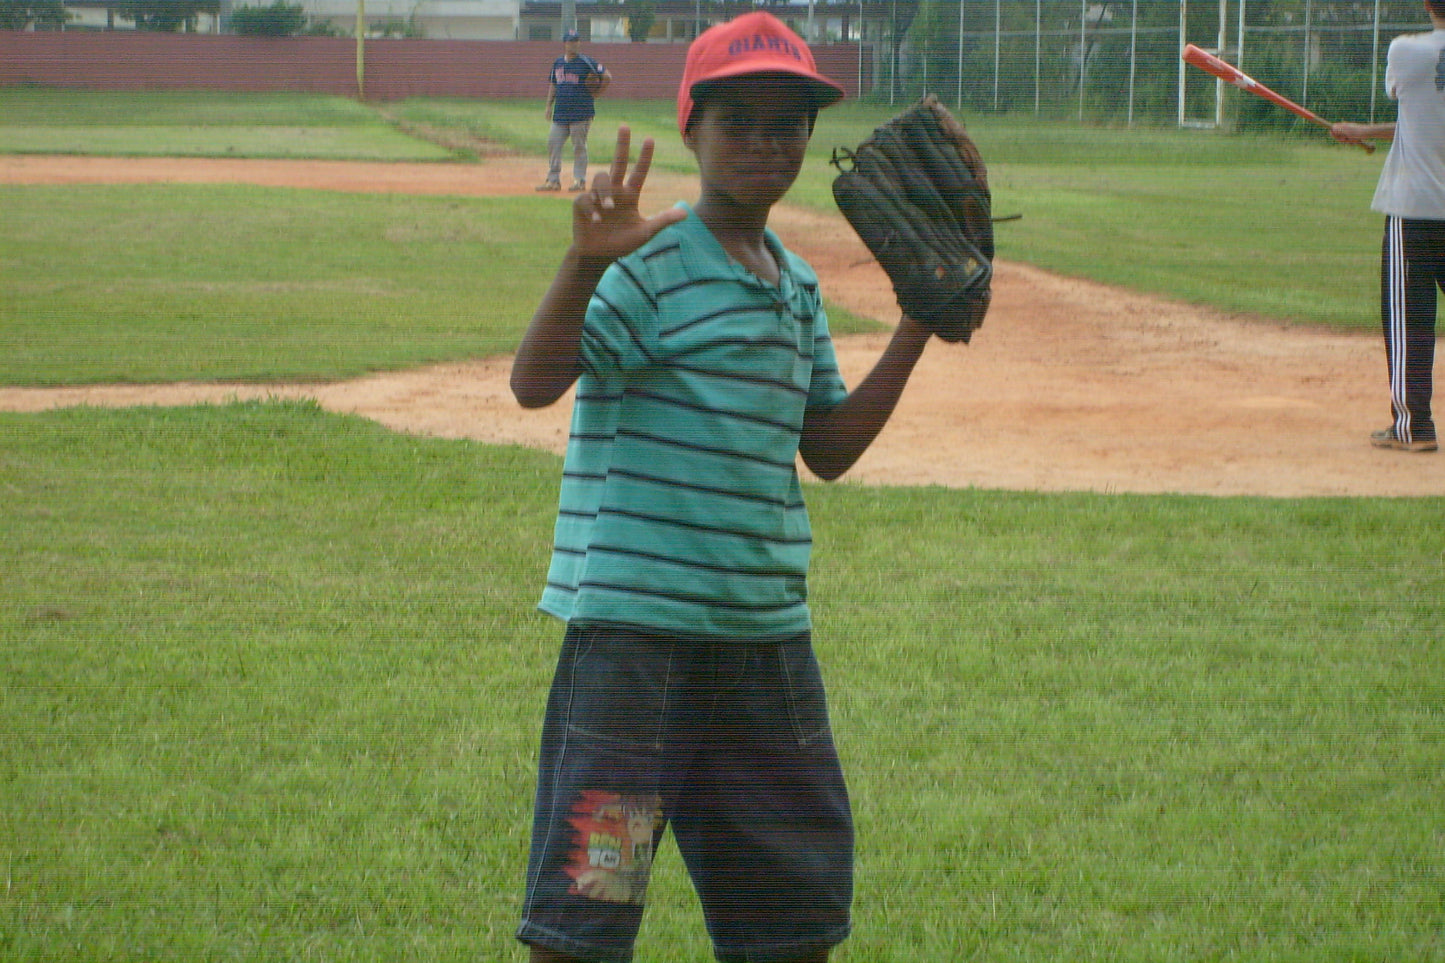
[605, 221]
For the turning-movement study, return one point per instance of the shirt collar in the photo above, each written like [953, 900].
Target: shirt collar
[717, 259]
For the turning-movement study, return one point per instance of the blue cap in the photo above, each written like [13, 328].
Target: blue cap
[570, 35]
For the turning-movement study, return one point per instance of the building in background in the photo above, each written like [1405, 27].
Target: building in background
[673, 21]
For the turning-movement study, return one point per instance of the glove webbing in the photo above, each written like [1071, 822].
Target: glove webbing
[962, 201]
[873, 176]
[953, 180]
[909, 249]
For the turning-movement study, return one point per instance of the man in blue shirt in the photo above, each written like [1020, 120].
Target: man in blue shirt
[575, 80]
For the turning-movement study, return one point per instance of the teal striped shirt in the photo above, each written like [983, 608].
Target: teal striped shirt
[680, 507]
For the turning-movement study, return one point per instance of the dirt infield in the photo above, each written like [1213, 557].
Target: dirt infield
[1070, 385]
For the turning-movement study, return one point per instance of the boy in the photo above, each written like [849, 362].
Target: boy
[687, 693]
[1411, 195]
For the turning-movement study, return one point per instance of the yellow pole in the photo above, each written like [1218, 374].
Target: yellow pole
[360, 49]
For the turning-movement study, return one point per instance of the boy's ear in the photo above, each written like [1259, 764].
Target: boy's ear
[689, 135]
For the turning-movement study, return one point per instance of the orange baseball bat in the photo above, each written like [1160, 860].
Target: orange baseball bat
[1211, 64]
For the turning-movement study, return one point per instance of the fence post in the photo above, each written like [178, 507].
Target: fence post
[1304, 96]
[1133, 47]
[960, 55]
[1183, 28]
[360, 49]
[1219, 84]
[1038, 63]
[893, 56]
[997, 27]
[1239, 54]
[1374, 60]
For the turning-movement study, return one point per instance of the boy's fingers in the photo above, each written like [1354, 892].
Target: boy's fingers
[584, 207]
[619, 156]
[644, 164]
[602, 192]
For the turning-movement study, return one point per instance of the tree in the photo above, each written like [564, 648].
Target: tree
[21, 14]
[641, 15]
[165, 16]
[408, 29]
[280, 19]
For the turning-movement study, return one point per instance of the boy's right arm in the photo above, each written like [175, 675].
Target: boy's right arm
[549, 357]
[605, 226]
[1348, 133]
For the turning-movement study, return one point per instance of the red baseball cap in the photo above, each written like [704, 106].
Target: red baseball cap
[755, 43]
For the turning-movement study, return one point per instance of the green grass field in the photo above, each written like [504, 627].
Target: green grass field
[273, 680]
[262, 284]
[1181, 213]
[38, 120]
[272, 677]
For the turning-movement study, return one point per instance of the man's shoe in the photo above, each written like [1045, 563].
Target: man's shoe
[549, 186]
[578, 186]
[1388, 439]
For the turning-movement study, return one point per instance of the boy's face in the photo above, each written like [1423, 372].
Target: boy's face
[749, 136]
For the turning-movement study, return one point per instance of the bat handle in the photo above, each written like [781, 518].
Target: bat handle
[1367, 146]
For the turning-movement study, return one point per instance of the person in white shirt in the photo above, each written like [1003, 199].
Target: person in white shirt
[1411, 195]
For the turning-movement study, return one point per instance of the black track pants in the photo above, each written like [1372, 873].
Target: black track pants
[1412, 266]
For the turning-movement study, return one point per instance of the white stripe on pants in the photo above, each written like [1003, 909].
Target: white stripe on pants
[1412, 271]
[1394, 322]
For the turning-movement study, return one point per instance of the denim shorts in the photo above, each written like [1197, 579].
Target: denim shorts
[728, 743]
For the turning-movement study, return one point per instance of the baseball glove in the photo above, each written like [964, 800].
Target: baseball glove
[916, 191]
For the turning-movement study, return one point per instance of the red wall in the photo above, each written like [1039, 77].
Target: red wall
[135, 60]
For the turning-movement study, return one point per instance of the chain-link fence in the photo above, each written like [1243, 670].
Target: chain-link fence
[1119, 62]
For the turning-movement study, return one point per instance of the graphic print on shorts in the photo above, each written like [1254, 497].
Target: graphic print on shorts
[611, 857]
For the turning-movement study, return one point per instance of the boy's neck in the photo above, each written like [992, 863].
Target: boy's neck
[732, 222]
[740, 232]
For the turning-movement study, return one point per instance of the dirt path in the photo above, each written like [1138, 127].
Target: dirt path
[1070, 385]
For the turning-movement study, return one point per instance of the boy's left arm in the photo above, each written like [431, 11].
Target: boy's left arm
[834, 438]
